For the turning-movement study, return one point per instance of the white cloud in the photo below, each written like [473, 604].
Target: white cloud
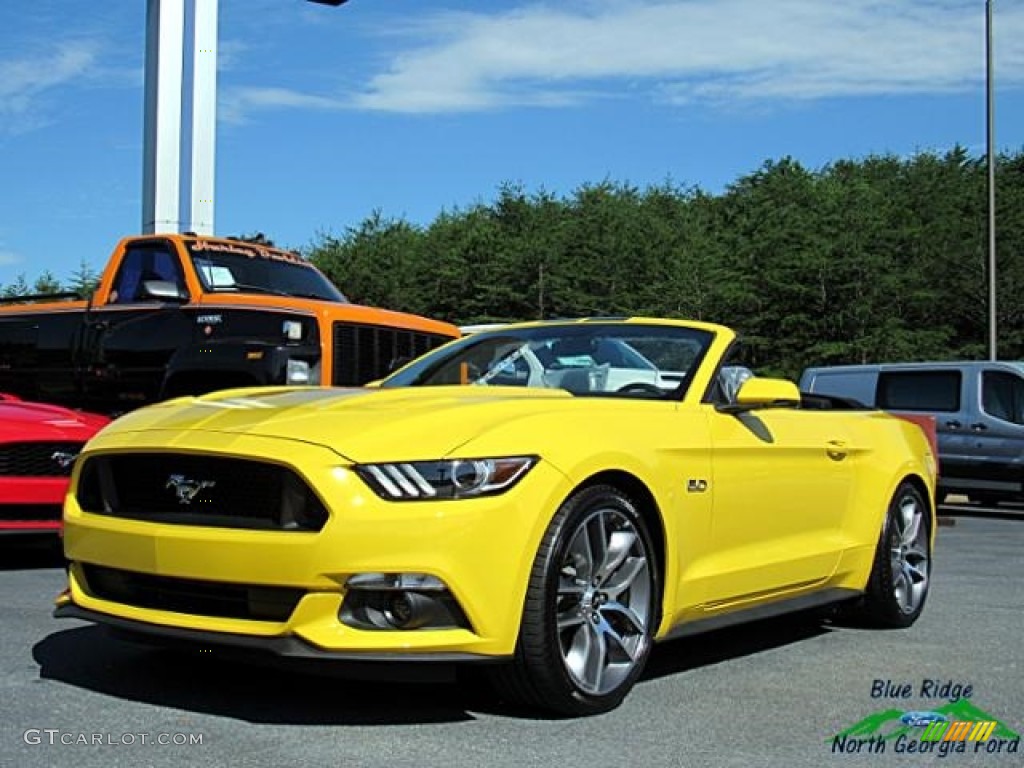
[690, 51]
[235, 104]
[24, 80]
[9, 258]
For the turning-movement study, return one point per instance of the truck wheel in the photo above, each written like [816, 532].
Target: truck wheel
[590, 609]
[901, 574]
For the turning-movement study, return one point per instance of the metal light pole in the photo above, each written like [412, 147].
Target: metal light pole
[993, 346]
[180, 127]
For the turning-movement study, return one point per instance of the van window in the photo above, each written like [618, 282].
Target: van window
[919, 391]
[1002, 396]
[854, 384]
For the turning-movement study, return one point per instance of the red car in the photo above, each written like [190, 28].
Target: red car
[38, 447]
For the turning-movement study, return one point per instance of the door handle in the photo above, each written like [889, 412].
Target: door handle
[836, 450]
[954, 424]
[979, 426]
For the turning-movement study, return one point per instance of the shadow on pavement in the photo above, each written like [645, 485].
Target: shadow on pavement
[95, 659]
[722, 645]
[330, 693]
[23, 552]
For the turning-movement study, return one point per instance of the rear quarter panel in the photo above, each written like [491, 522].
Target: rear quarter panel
[889, 450]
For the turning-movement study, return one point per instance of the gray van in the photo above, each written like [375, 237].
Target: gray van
[978, 409]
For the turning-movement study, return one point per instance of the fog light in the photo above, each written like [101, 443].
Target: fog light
[400, 610]
[400, 601]
[408, 610]
[298, 372]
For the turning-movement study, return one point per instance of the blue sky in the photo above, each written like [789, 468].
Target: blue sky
[413, 107]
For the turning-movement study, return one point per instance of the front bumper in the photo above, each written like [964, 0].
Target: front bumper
[481, 549]
[283, 646]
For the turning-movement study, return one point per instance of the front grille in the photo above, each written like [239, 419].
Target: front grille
[363, 353]
[203, 598]
[30, 512]
[193, 489]
[49, 459]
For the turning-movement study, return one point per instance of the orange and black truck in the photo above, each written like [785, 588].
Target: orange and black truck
[184, 315]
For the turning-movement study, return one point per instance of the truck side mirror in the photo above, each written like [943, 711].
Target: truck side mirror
[164, 290]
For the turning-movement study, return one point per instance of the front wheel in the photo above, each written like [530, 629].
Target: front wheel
[901, 574]
[590, 609]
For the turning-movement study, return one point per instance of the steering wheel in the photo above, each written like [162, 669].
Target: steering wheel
[641, 388]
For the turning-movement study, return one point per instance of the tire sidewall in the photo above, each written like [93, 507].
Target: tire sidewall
[882, 587]
[571, 515]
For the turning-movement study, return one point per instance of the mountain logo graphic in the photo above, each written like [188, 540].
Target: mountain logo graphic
[890, 724]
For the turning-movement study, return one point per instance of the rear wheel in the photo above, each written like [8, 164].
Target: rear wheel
[901, 574]
[590, 609]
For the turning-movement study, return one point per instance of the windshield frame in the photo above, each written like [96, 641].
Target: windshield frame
[522, 342]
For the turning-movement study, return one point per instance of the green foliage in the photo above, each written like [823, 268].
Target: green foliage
[46, 283]
[878, 259]
[84, 280]
[18, 288]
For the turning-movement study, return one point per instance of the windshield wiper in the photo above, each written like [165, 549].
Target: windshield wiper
[317, 296]
[250, 288]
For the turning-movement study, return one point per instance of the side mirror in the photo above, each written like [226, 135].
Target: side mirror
[165, 290]
[765, 393]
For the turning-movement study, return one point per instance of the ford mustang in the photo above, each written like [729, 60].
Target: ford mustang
[548, 498]
[38, 447]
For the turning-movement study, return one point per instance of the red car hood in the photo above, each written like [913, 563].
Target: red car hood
[22, 421]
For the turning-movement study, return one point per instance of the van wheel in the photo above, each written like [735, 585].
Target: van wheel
[590, 609]
[900, 577]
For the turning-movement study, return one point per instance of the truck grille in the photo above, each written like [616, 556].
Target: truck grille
[363, 353]
[48, 459]
[192, 489]
[203, 598]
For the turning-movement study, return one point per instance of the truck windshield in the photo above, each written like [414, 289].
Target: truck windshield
[227, 267]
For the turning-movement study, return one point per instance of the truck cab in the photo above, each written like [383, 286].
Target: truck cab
[183, 314]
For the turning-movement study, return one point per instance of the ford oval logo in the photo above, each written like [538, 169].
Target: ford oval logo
[186, 488]
[919, 719]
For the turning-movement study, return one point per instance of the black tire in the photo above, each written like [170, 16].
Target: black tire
[901, 574]
[589, 616]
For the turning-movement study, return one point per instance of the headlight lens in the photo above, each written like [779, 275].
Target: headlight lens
[445, 479]
[297, 372]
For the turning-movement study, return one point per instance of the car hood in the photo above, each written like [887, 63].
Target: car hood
[361, 425]
[23, 421]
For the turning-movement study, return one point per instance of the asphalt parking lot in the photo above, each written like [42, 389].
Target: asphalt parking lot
[774, 693]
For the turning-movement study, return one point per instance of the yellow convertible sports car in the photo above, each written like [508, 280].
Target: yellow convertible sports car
[549, 498]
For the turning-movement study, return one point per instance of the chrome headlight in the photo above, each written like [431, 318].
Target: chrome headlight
[297, 372]
[445, 479]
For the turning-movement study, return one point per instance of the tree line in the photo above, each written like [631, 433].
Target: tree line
[871, 260]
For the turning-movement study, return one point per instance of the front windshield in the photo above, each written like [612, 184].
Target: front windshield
[590, 358]
[245, 268]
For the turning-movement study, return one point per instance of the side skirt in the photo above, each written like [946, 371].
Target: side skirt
[777, 608]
